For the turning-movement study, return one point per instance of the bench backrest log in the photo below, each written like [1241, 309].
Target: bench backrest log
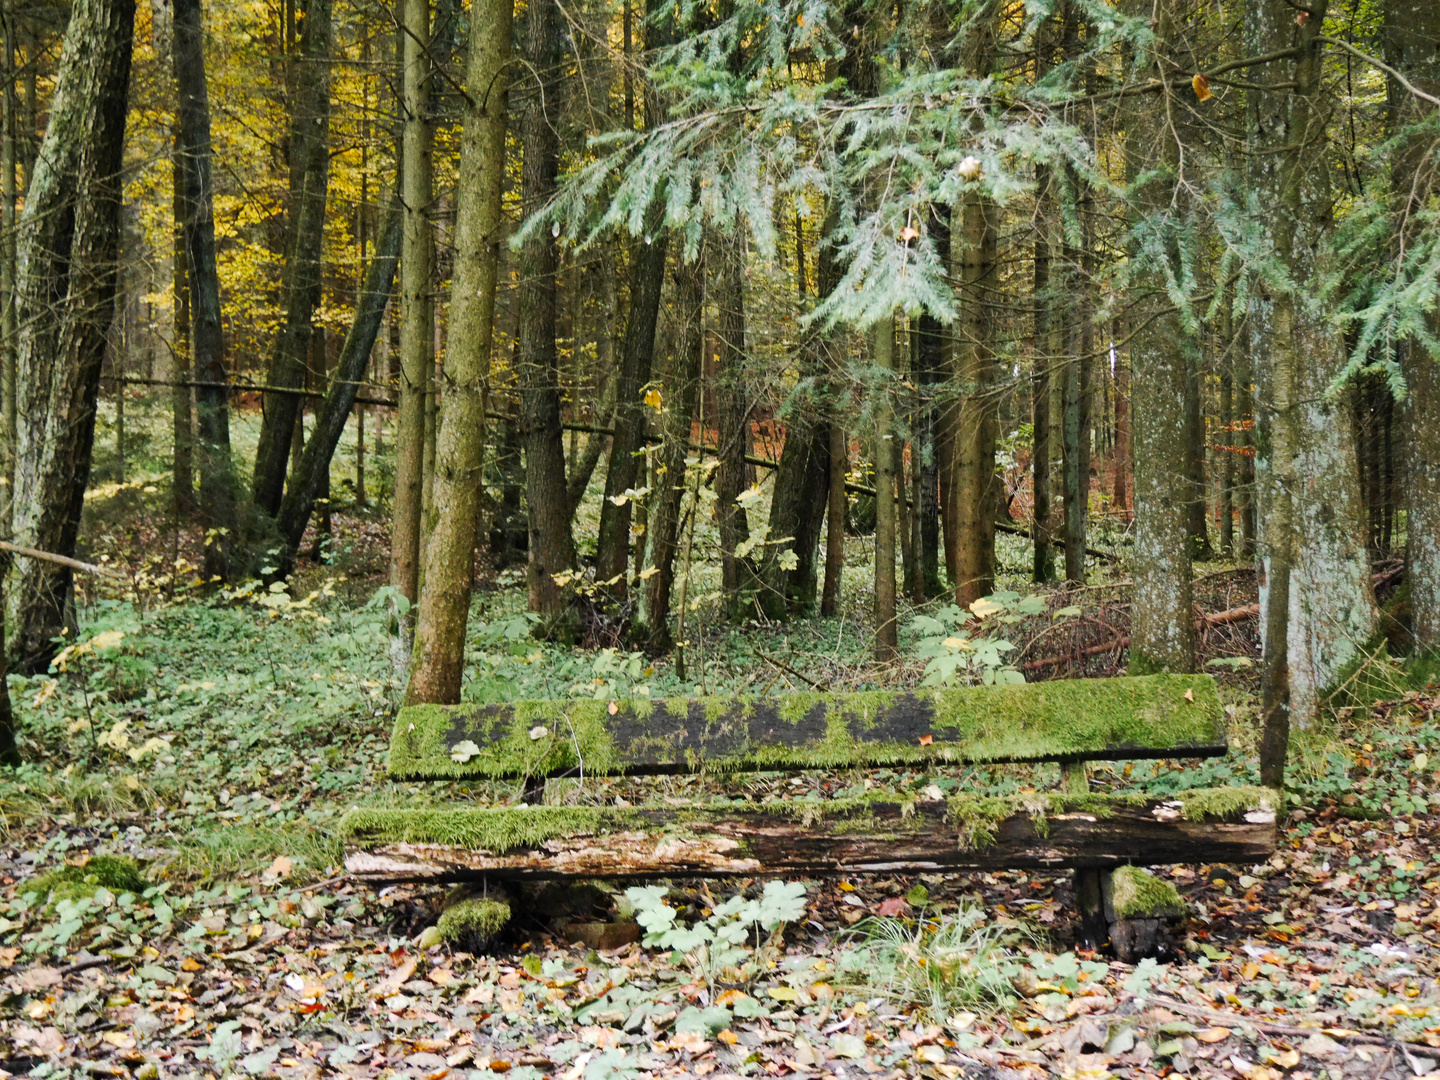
[1150, 716]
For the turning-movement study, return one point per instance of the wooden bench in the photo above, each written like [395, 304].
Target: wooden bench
[1070, 722]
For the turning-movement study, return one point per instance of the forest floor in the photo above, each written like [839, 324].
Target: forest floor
[217, 740]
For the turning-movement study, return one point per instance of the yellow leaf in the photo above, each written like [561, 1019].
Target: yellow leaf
[728, 1037]
[909, 233]
[985, 607]
[930, 1054]
[648, 573]
[1250, 970]
[783, 993]
[1213, 1035]
[652, 398]
[278, 869]
[614, 708]
[107, 640]
[1287, 1059]
[1202, 87]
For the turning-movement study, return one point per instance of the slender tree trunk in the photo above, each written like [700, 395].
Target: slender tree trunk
[1316, 603]
[439, 657]
[1412, 47]
[68, 247]
[181, 396]
[552, 547]
[1227, 425]
[1076, 421]
[1042, 516]
[837, 505]
[1245, 447]
[8, 271]
[732, 427]
[930, 368]
[682, 381]
[207, 344]
[417, 314]
[307, 479]
[977, 484]
[309, 156]
[1200, 547]
[886, 628]
[1122, 448]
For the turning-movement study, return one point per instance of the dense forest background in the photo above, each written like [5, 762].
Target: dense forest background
[675, 312]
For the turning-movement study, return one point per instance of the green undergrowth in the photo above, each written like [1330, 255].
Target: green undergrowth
[473, 922]
[1029, 722]
[1139, 894]
[118, 875]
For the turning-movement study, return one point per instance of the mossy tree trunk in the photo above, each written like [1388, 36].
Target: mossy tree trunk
[65, 296]
[1041, 533]
[417, 311]
[551, 546]
[1412, 47]
[1162, 632]
[205, 339]
[300, 282]
[1201, 550]
[732, 429]
[439, 653]
[1317, 606]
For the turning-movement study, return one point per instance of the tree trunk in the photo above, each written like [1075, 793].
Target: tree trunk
[439, 657]
[930, 368]
[732, 427]
[307, 480]
[1316, 601]
[886, 629]
[181, 395]
[206, 340]
[300, 282]
[417, 313]
[9, 270]
[1200, 547]
[681, 395]
[1122, 447]
[1227, 427]
[1042, 516]
[976, 482]
[1162, 634]
[552, 547]
[1412, 47]
[68, 246]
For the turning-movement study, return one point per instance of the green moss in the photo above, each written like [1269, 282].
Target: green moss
[473, 923]
[1201, 804]
[1141, 717]
[112, 872]
[496, 830]
[1139, 894]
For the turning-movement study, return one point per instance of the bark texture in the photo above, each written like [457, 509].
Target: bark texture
[417, 314]
[886, 629]
[1316, 600]
[438, 661]
[551, 547]
[309, 154]
[1412, 47]
[202, 311]
[68, 245]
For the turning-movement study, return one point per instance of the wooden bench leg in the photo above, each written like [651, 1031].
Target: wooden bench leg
[1092, 930]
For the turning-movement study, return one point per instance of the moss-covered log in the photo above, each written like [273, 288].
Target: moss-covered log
[1081, 719]
[1228, 825]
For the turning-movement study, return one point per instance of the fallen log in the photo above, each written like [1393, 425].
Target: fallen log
[1038, 831]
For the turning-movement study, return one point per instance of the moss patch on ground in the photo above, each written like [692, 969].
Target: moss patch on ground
[112, 872]
[1149, 716]
[1139, 894]
[473, 923]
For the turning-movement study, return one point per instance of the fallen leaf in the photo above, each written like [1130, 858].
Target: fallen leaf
[278, 869]
[930, 1054]
[1202, 88]
[927, 740]
[783, 993]
[893, 907]
[1213, 1035]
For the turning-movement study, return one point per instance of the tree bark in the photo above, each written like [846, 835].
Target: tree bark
[976, 482]
[1412, 48]
[439, 655]
[1316, 600]
[682, 380]
[181, 402]
[1162, 355]
[206, 339]
[307, 480]
[732, 429]
[1201, 549]
[551, 547]
[300, 282]
[68, 245]
[9, 269]
[886, 629]
[1042, 515]
[417, 313]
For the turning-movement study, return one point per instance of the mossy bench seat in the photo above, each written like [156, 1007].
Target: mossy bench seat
[1070, 722]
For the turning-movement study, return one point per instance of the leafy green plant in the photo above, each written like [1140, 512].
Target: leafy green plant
[718, 941]
[959, 646]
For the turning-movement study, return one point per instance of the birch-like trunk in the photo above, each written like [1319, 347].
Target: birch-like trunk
[65, 297]
[886, 629]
